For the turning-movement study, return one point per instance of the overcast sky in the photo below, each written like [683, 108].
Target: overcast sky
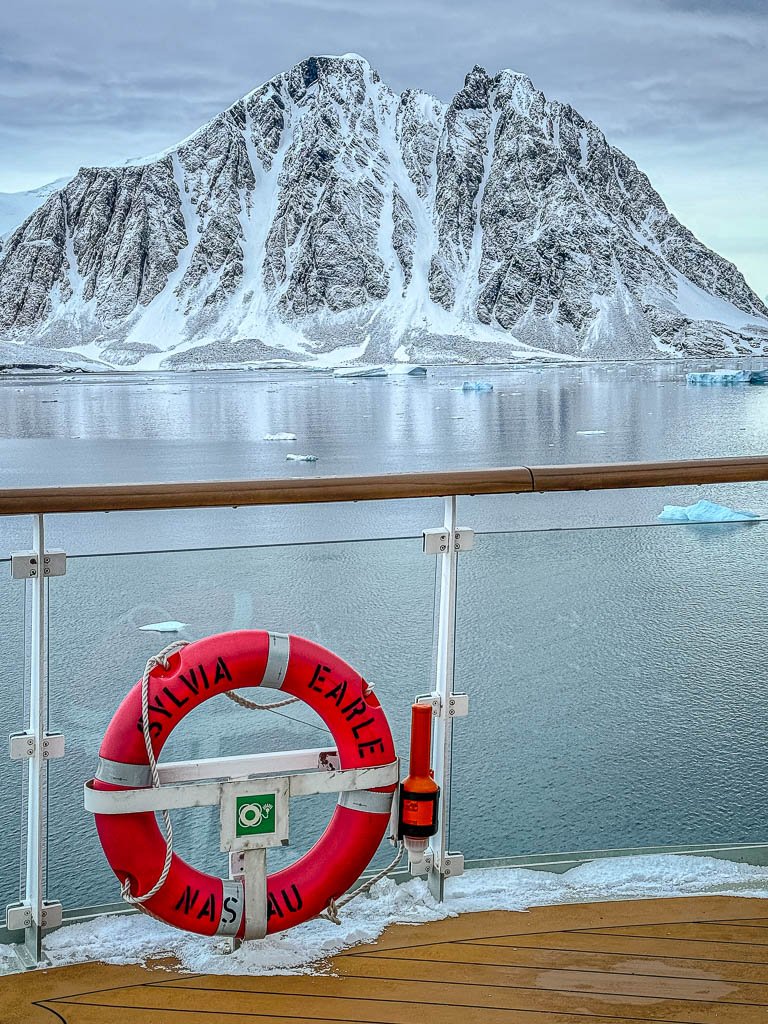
[679, 85]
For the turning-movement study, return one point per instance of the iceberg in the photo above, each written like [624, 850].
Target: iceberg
[164, 627]
[476, 385]
[705, 512]
[360, 371]
[405, 369]
[758, 377]
[718, 377]
[300, 458]
[280, 437]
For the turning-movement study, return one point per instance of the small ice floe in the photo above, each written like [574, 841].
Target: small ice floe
[476, 385]
[405, 369]
[164, 627]
[718, 377]
[705, 512]
[360, 371]
[300, 458]
[589, 433]
[280, 437]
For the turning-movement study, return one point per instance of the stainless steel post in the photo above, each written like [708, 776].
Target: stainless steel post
[38, 765]
[442, 725]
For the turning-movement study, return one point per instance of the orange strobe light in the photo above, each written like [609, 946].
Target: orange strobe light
[419, 793]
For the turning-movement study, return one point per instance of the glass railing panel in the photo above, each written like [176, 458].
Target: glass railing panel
[13, 718]
[618, 694]
[371, 602]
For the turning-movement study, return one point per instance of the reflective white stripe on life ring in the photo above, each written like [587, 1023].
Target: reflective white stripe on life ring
[277, 661]
[366, 800]
[119, 773]
[232, 906]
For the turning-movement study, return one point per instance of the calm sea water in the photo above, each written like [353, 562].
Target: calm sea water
[615, 666]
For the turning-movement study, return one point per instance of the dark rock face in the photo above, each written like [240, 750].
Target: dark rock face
[324, 211]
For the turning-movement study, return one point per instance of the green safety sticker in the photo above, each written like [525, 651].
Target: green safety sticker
[255, 815]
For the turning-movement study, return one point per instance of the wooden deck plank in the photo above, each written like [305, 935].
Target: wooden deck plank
[394, 1001]
[687, 961]
[569, 917]
[634, 945]
[718, 931]
[580, 960]
[558, 979]
[82, 1014]
[448, 975]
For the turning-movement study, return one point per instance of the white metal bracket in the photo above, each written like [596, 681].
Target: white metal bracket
[451, 866]
[21, 746]
[438, 542]
[19, 915]
[457, 705]
[25, 565]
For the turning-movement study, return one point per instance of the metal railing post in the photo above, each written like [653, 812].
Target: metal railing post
[37, 745]
[446, 704]
[38, 726]
[442, 732]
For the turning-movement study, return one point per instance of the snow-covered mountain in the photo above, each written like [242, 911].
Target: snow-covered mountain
[324, 218]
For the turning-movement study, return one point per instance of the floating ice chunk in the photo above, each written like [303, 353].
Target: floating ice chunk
[718, 377]
[164, 627]
[360, 371]
[405, 369]
[758, 377]
[589, 433]
[280, 437]
[476, 385]
[300, 458]
[705, 512]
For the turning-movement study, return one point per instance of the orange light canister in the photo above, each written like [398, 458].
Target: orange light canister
[419, 793]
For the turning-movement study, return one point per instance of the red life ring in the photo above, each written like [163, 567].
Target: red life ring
[134, 844]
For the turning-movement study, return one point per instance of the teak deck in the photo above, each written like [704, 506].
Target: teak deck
[701, 960]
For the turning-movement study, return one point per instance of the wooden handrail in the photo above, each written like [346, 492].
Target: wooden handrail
[315, 490]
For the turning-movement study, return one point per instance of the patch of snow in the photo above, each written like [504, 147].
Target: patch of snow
[697, 304]
[15, 207]
[138, 938]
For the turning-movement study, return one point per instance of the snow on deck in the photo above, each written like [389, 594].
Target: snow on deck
[128, 939]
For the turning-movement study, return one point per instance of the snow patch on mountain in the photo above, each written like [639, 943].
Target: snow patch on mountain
[15, 207]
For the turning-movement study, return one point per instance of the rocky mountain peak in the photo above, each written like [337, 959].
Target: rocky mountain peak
[324, 217]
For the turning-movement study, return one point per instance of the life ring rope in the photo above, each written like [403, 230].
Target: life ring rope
[155, 661]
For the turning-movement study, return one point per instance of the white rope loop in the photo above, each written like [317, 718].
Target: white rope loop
[334, 906]
[156, 661]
